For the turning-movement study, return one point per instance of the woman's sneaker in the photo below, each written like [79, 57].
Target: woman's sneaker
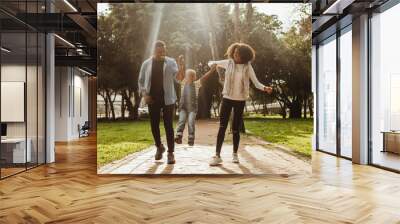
[171, 158]
[235, 158]
[215, 161]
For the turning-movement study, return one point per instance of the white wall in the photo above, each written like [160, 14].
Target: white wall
[33, 126]
[62, 81]
[12, 73]
[80, 109]
[70, 83]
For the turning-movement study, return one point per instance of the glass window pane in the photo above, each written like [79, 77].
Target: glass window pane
[41, 98]
[13, 86]
[31, 97]
[346, 93]
[385, 84]
[23, 89]
[327, 95]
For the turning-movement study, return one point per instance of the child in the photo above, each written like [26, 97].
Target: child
[238, 72]
[188, 104]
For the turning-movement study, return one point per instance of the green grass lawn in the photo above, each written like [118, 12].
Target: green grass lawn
[292, 133]
[115, 140]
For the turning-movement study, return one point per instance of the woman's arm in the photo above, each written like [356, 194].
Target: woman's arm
[257, 83]
[254, 79]
[221, 63]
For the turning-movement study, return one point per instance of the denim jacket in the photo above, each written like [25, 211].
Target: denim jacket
[189, 93]
[169, 78]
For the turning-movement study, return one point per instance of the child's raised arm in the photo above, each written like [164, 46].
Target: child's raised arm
[210, 72]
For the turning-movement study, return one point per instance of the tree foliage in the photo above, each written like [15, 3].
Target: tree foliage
[202, 32]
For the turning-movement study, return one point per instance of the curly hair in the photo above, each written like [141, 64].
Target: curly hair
[246, 52]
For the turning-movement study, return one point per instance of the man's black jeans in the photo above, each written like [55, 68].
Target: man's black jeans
[155, 114]
[225, 113]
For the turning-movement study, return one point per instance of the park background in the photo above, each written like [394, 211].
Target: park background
[279, 33]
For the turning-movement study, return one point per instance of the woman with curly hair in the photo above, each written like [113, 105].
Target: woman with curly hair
[238, 73]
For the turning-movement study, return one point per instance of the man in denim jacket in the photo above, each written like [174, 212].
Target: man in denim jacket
[156, 84]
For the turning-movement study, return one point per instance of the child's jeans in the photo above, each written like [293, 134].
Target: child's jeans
[184, 116]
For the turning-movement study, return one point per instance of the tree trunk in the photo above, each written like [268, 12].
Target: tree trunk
[295, 109]
[283, 109]
[249, 23]
[305, 108]
[264, 110]
[128, 103]
[236, 23]
[253, 104]
[105, 104]
[311, 106]
[204, 104]
[122, 108]
[283, 112]
[108, 94]
[138, 98]
[205, 98]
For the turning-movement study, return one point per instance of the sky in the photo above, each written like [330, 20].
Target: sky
[284, 11]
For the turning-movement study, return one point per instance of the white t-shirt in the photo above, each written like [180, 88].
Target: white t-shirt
[238, 85]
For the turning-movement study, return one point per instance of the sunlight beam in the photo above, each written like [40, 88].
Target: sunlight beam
[155, 29]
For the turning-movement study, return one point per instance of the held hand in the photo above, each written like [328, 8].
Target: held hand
[268, 89]
[213, 67]
[181, 60]
[148, 99]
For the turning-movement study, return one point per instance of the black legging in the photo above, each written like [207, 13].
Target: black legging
[155, 113]
[226, 108]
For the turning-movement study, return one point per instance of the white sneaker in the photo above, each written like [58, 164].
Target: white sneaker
[215, 161]
[235, 158]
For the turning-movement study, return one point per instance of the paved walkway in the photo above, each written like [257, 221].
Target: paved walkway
[256, 157]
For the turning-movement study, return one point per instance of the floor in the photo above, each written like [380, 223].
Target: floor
[70, 191]
[387, 159]
[10, 171]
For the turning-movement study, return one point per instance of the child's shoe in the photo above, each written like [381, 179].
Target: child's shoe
[178, 139]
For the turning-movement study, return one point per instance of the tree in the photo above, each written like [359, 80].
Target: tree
[202, 32]
[293, 80]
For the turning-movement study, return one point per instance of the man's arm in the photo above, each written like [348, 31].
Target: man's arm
[181, 68]
[141, 85]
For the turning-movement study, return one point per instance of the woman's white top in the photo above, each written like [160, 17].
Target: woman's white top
[236, 82]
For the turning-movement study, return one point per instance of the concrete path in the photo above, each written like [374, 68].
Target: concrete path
[256, 157]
